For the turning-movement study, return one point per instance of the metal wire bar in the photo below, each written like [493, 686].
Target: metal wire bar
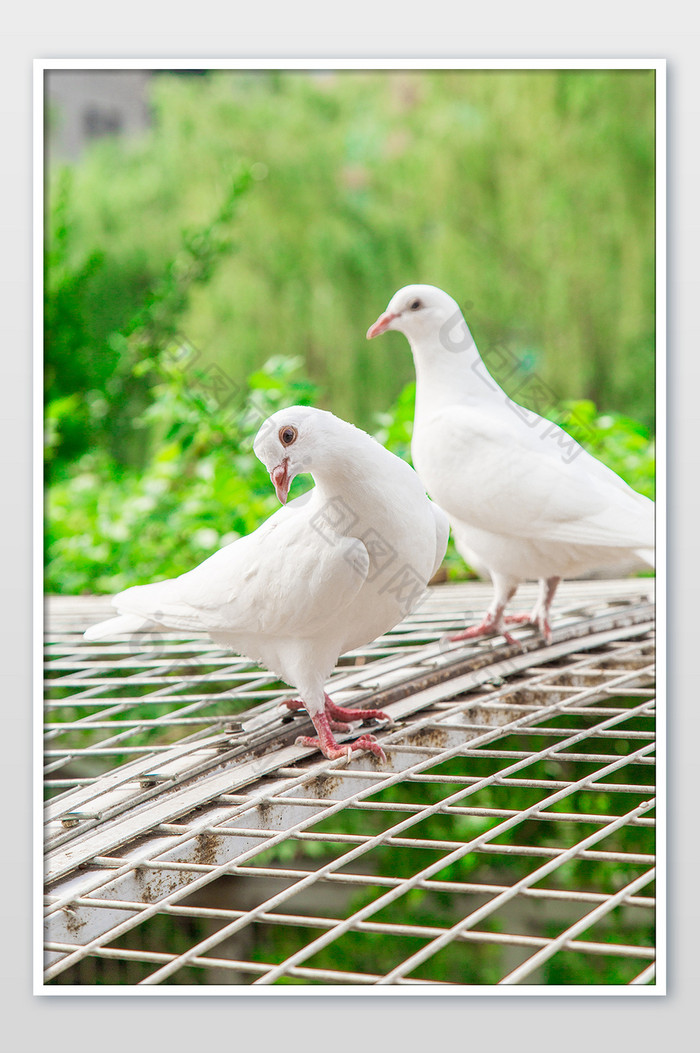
[389, 897]
[313, 921]
[410, 770]
[180, 816]
[210, 760]
[566, 937]
[325, 975]
[558, 746]
[646, 976]
[458, 887]
[435, 868]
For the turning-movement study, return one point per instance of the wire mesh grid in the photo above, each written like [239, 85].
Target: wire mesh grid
[509, 839]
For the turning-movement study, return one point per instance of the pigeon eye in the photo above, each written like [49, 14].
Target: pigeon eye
[415, 305]
[288, 435]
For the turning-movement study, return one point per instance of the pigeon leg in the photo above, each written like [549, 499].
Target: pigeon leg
[540, 613]
[338, 716]
[492, 625]
[293, 703]
[494, 621]
[332, 749]
[296, 704]
[542, 616]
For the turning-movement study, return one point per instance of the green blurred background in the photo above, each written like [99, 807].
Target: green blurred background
[228, 258]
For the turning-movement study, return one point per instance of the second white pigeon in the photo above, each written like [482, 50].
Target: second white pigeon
[525, 501]
[330, 571]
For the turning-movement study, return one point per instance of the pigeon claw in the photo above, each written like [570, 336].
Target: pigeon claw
[489, 627]
[368, 742]
[333, 750]
[293, 703]
[538, 621]
[334, 712]
[337, 718]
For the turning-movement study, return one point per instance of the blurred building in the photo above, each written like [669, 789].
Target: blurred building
[84, 104]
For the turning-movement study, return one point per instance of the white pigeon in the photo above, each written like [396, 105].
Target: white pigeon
[525, 501]
[331, 571]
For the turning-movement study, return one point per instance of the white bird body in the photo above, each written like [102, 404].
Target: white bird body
[330, 571]
[567, 516]
[525, 501]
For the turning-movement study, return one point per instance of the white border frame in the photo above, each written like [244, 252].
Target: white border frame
[41, 66]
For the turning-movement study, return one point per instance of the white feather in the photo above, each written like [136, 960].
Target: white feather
[126, 623]
[328, 572]
[525, 501]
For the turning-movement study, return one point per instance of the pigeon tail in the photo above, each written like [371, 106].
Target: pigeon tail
[124, 623]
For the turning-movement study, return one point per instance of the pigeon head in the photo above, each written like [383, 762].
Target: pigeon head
[288, 444]
[418, 311]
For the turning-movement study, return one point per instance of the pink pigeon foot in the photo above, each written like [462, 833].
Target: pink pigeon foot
[332, 749]
[539, 621]
[296, 704]
[489, 627]
[539, 617]
[339, 713]
[334, 718]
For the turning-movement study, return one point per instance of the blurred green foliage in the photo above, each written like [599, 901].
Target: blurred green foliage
[97, 358]
[528, 195]
[109, 527]
[267, 217]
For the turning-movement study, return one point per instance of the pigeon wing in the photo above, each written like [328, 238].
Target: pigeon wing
[283, 579]
[532, 484]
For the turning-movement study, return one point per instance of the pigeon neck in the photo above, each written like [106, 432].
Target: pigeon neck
[351, 482]
[450, 371]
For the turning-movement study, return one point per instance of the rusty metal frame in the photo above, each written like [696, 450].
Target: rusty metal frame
[165, 784]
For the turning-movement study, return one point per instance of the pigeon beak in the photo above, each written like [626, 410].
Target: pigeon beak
[281, 480]
[381, 325]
